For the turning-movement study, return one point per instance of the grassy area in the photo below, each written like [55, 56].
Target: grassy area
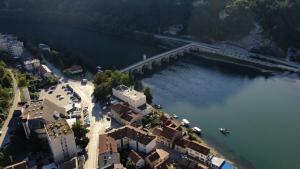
[6, 92]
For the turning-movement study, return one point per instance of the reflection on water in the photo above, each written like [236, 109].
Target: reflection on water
[261, 111]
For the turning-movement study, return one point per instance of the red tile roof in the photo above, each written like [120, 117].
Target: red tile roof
[168, 133]
[199, 147]
[107, 144]
[134, 156]
[132, 133]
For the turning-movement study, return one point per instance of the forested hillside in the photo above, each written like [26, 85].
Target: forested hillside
[208, 20]
[5, 92]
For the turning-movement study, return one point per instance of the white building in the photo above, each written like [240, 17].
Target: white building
[61, 141]
[32, 64]
[198, 151]
[45, 71]
[129, 95]
[16, 49]
[10, 44]
[216, 162]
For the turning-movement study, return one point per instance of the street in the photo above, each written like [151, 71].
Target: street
[98, 123]
[5, 130]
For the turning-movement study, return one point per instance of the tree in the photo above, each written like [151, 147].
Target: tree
[107, 80]
[80, 134]
[148, 95]
[130, 165]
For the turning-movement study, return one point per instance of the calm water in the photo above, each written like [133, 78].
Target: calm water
[263, 113]
[99, 49]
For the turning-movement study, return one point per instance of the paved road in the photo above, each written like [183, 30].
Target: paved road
[5, 130]
[96, 129]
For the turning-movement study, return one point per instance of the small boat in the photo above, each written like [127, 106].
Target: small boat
[196, 130]
[157, 106]
[224, 131]
[185, 122]
[175, 116]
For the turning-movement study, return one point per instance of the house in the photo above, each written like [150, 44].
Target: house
[115, 166]
[10, 44]
[181, 145]
[125, 115]
[44, 71]
[155, 159]
[70, 164]
[136, 159]
[108, 153]
[198, 151]
[75, 69]
[132, 97]
[129, 137]
[32, 64]
[216, 162]
[20, 165]
[61, 141]
[169, 135]
[187, 163]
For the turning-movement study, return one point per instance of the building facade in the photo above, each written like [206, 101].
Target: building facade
[130, 96]
[61, 141]
[128, 137]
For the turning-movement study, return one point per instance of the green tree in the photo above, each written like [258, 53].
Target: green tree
[130, 165]
[108, 79]
[148, 95]
[80, 134]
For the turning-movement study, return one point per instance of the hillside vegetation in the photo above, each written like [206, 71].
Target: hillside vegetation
[5, 92]
[208, 20]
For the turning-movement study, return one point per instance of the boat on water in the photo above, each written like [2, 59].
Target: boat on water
[157, 106]
[185, 122]
[175, 116]
[197, 130]
[224, 131]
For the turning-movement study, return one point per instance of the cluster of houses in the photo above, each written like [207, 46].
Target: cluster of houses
[150, 148]
[10, 43]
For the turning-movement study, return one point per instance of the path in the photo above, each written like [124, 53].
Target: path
[5, 129]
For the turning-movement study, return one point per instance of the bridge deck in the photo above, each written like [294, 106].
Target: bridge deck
[216, 50]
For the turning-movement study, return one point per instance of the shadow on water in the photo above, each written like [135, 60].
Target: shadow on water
[208, 82]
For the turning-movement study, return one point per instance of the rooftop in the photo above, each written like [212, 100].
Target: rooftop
[44, 109]
[45, 69]
[58, 128]
[182, 143]
[70, 164]
[134, 156]
[125, 112]
[184, 163]
[132, 133]
[217, 161]
[157, 156]
[168, 133]
[107, 144]
[199, 147]
[20, 165]
[129, 92]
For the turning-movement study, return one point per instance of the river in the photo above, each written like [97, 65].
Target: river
[262, 112]
[106, 51]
